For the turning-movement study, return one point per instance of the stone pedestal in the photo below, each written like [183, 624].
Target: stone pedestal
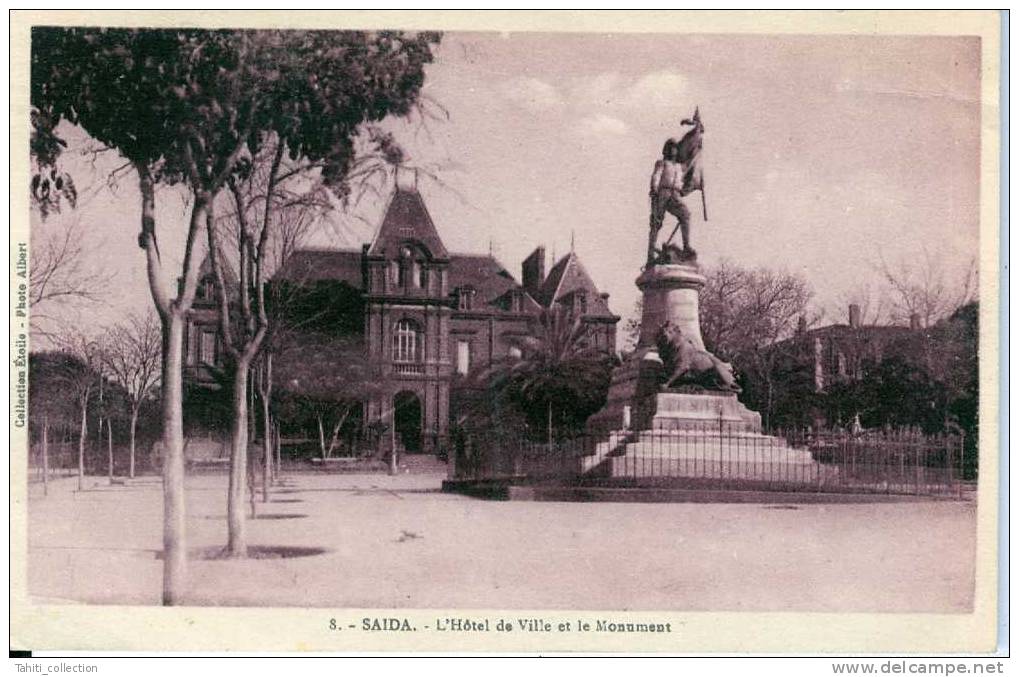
[687, 432]
[701, 411]
[671, 292]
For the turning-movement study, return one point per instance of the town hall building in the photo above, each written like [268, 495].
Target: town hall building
[431, 316]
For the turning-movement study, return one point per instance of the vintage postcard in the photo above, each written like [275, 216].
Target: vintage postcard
[509, 332]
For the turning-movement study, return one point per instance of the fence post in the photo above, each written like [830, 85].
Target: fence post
[45, 455]
[962, 460]
[916, 458]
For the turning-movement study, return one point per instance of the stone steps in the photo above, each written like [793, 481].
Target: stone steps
[703, 454]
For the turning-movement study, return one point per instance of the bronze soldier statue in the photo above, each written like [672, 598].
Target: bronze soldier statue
[667, 195]
[676, 175]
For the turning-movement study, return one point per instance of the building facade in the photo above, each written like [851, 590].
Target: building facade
[815, 369]
[431, 316]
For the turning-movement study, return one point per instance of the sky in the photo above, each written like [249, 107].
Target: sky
[823, 156]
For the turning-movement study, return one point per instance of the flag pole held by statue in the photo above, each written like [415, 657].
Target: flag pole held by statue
[690, 152]
[695, 152]
[704, 200]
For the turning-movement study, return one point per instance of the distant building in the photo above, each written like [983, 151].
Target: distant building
[426, 315]
[203, 349]
[816, 361]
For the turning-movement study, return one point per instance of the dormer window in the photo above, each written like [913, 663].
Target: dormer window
[207, 347]
[410, 269]
[208, 289]
[516, 301]
[580, 302]
[465, 298]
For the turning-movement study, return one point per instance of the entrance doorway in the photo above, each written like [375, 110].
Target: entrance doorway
[407, 419]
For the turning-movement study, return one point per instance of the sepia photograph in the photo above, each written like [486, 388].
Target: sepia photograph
[450, 332]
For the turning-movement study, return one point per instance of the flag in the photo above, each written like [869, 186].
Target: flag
[690, 147]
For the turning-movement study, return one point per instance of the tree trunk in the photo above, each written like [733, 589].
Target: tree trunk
[174, 542]
[268, 471]
[109, 450]
[134, 427]
[251, 486]
[321, 437]
[336, 432]
[550, 423]
[83, 432]
[45, 455]
[267, 444]
[252, 435]
[279, 450]
[237, 545]
[394, 466]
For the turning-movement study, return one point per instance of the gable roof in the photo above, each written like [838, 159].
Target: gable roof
[407, 218]
[205, 273]
[567, 277]
[484, 274]
[312, 265]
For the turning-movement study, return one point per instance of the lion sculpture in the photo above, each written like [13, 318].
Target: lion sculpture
[687, 364]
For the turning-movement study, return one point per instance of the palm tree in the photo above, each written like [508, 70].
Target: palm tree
[557, 371]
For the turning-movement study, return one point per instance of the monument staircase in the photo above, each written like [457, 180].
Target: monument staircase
[698, 429]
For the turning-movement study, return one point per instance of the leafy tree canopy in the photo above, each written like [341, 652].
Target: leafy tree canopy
[187, 102]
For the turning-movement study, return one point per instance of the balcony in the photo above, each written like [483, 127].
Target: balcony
[408, 369]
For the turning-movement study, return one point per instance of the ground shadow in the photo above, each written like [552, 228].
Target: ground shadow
[264, 516]
[218, 552]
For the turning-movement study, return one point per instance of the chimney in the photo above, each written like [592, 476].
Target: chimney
[533, 271]
[406, 179]
[914, 321]
[854, 316]
[801, 325]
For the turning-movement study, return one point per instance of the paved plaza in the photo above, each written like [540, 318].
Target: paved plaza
[398, 542]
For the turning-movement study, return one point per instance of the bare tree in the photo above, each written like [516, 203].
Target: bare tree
[272, 202]
[80, 374]
[922, 288]
[746, 312]
[52, 406]
[871, 299]
[302, 207]
[722, 310]
[132, 353]
[58, 271]
[327, 378]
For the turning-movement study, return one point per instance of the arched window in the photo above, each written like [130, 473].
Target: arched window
[406, 342]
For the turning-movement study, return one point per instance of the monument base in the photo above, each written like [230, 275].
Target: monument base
[718, 411]
[634, 402]
[704, 454]
[645, 433]
[688, 432]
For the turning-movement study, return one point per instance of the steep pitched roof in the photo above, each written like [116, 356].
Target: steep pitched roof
[406, 219]
[484, 274]
[567, 277]
[311, 265]
[229, 277]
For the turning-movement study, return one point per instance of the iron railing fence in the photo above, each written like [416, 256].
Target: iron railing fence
[724, 455]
